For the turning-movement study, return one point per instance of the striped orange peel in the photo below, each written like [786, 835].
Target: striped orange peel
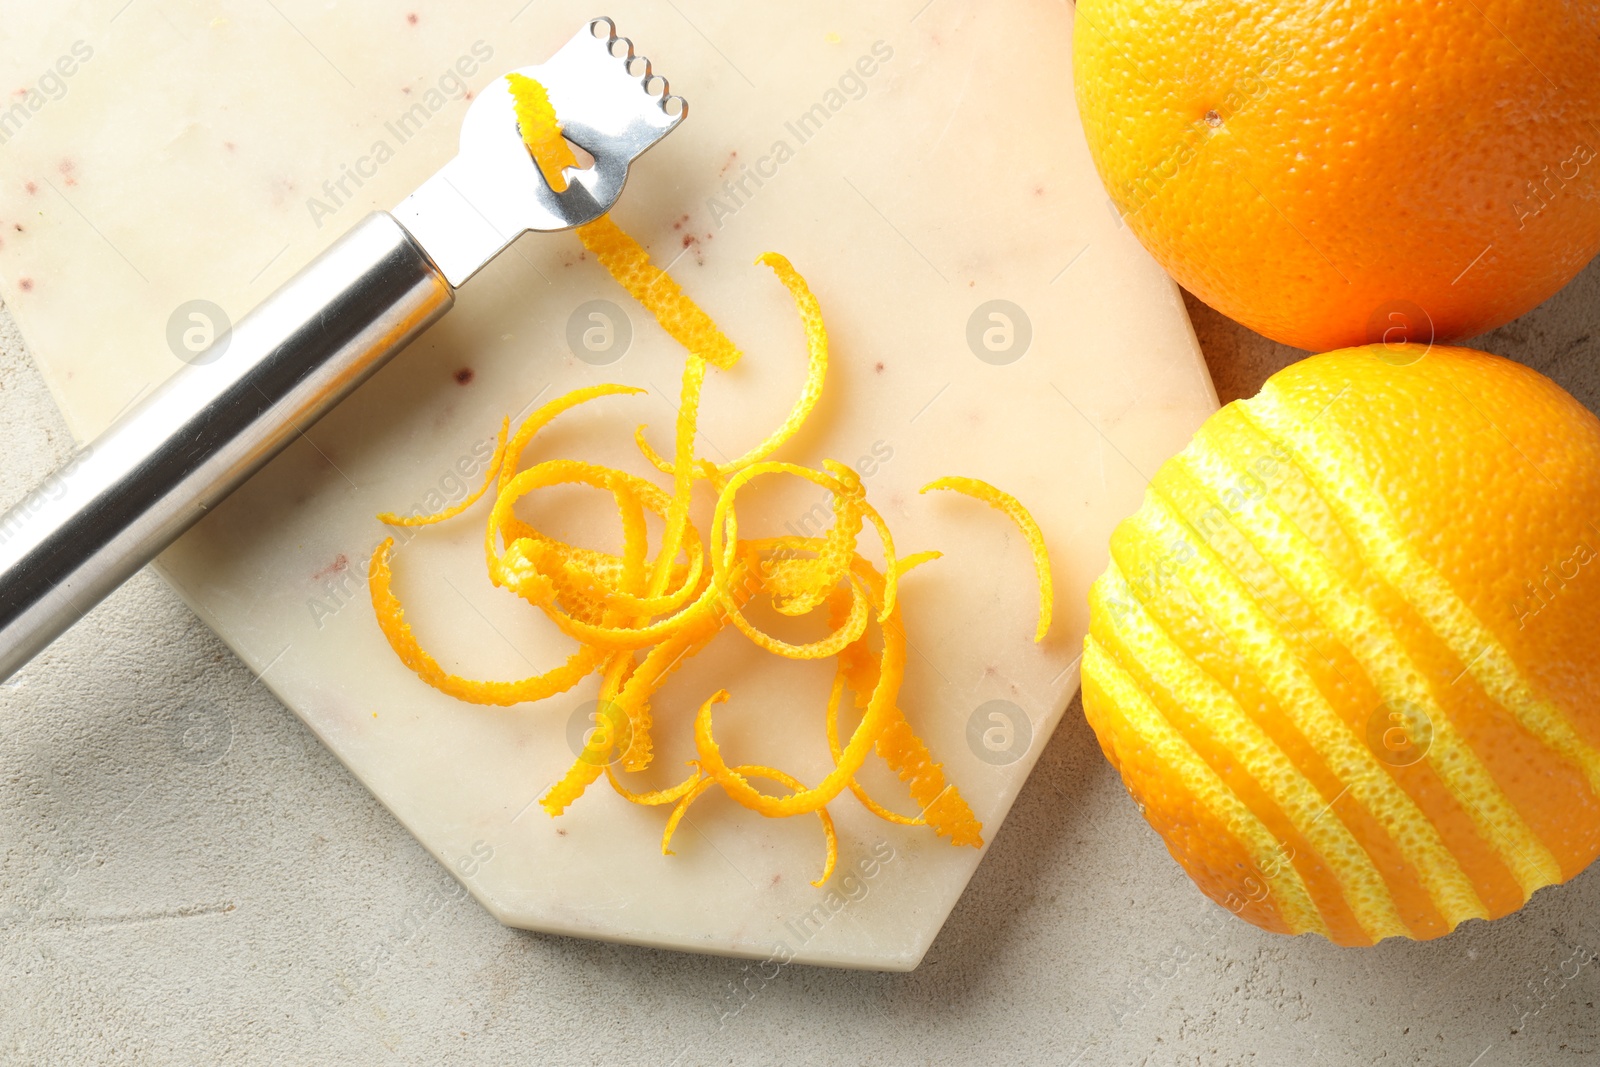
[1332, 657]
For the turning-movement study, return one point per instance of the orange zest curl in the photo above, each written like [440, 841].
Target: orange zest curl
[637, 616]
[390, 518]
[1018, 514]
[541, 132]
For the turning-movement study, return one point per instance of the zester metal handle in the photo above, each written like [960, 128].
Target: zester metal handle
[129, 494]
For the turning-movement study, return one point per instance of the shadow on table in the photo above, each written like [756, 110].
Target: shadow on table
[1559, 338]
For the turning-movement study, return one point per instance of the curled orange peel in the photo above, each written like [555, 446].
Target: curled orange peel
[545, 415]
[816, 373]
[1012, 507]
[652, 797]
[637, 616]
[830, 837]
[725, 529]
[390, 518]
[942, 806]
[555, 571]
[880, 704]
[831, 724]
[391, 618]
[541, 132]
[698, 787]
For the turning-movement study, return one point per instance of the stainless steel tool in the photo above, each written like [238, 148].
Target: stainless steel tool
[158, 469]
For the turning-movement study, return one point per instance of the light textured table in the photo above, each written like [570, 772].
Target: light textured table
[187, 876]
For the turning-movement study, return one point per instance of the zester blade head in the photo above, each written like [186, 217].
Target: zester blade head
[610, 103]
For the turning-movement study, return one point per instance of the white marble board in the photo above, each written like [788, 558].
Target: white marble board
[174, 150]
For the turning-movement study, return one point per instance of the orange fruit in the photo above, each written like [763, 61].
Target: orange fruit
[1344, 653]
[1336, 173]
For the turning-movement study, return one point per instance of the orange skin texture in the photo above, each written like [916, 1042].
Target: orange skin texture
[1428, 170]
[1491, 472]
[1205, 850]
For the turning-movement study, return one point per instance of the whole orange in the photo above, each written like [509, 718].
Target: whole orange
[1338, 172]
[1345, 653]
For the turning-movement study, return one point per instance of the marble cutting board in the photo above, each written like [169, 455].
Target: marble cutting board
[919, 161]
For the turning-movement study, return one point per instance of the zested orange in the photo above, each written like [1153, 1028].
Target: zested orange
[1338, 172]
[1344, 655]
